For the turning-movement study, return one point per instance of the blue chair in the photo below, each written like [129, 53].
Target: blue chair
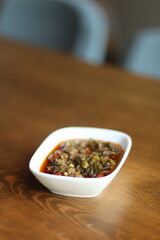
[78, 27]
[143, 55]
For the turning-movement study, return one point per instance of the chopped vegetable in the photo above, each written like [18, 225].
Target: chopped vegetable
[83, 158]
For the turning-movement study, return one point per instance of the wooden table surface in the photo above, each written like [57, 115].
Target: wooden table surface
[41, 91]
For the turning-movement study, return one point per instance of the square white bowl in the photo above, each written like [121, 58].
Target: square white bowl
[74, 186]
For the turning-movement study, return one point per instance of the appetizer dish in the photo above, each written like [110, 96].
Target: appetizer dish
[83, 158]
[80, 161]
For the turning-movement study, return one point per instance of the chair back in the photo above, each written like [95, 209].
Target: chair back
[79, 27]
[143, 55]
[40, 22]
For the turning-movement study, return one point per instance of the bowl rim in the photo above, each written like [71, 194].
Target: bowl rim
[69, 178]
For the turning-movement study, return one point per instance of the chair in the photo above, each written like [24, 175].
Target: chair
[143, 56]
[78, 27]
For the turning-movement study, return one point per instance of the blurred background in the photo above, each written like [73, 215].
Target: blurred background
[124, 33]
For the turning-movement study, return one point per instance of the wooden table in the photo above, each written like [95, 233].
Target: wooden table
[42, 91]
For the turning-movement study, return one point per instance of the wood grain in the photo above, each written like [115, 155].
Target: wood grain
[42, 91]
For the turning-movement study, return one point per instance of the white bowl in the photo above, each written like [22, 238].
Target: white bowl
[74, 186]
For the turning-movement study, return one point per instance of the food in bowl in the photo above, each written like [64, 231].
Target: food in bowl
[77, 186]
[83, 158]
